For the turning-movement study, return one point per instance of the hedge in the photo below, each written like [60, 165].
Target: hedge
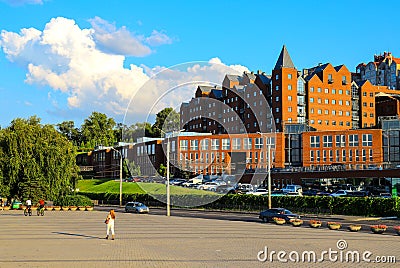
[356, 206]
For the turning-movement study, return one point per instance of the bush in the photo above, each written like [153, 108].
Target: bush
[73, 200]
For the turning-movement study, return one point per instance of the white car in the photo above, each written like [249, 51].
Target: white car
[259, 191]
[210, 186]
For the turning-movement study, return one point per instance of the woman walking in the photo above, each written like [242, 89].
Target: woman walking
[110, 224]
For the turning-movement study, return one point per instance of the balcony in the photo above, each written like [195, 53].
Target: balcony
[344, 82]
[301, 113]
[301, 93]
[355, 107]
[355, 118]
[355, 96]
[301, 103]
[330, 81]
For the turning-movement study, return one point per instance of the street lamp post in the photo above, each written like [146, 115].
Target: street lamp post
[268, 169]
[120, 176]
[168, 186]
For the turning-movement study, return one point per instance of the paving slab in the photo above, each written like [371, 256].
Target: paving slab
[76, 239]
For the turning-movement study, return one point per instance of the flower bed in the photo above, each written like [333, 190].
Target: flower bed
[334, 225]
[296, 222]
[378, 229]
[397, 229]
[315, 223]
[354, 228]
[279, 221]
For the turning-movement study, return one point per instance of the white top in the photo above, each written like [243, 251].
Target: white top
[110, 219]
[28, 202]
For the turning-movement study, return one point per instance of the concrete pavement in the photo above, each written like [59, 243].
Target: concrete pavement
[76, 239]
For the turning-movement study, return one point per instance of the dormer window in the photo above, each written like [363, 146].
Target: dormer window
[330, 79]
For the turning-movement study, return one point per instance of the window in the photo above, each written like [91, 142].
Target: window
[311, 100]
[319, 111]
[276, 99]
[318, 156]
[326, 101]
[347, 103]
[184, 145]
[324, 156]
[364, 94]
[371, 158]
[329, 78]
[340, 92]
[327, 141]
[277, 77]
[366, 139]
[276, 88]
[333, 101]
[340, 141]
[326, 111]
[371, 94]
[353, 140]
[337, 156]
[194, 145]
[215, 144]
[319, 100]
[364, 155]
[312, 110]
[236, 143]
[344, 155]
[333, 112]
[289, 98]
[364, 104]
[371, 104]
[350, 155]
[289, 76]
[311, 89]
[247, 143]
[314, 141]
[289, 87]
[311, 156]
[277, 110]
[326, 90]
[340, 102]
[258, 143]
[333, 91]
[289, 109]
[319, 90]
[226, 144]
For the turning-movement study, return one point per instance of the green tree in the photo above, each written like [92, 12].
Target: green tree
[138, 130]
[134, 170]
[68, 129]
[162, 170]
[166, 120]
[36, 161]
[98, 129]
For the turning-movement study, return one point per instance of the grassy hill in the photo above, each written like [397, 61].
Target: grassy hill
[111, 186]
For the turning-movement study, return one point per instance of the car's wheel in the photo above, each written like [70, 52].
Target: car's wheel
[265, 219]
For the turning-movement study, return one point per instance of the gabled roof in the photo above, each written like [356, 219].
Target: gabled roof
[251, 76]
[337, 68]
[205, 89]
[217, 93]
[361, 83]
[266, 79]
[232, 77]
[284, 60]
[396, 60]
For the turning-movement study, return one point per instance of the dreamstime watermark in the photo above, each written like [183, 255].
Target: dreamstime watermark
[338, 254]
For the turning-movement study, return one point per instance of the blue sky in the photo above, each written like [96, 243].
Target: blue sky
[61, 60]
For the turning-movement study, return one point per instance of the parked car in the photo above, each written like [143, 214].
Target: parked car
[244, 187]
[210, 186]
[385, 195]
[225, 189]
[177, 182]
[259, 191]
[358, 194]
[278, 193]
[292, 188]
[339, 193]
[136, 207]
[269, 214]
[294, 194]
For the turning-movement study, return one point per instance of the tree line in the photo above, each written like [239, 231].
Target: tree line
[39, 160]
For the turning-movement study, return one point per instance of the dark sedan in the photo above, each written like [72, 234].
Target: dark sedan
[269, 214]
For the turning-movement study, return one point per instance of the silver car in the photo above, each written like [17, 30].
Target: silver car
[136, 207]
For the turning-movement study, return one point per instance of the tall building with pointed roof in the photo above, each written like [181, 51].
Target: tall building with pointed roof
[288, 95]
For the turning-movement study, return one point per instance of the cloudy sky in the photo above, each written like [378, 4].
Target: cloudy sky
[62, 60]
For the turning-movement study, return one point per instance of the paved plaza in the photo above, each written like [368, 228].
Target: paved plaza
[76, 239]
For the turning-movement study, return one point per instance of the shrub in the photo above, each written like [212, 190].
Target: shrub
[73, 200]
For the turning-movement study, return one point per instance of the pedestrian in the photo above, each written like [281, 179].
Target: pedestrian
[110, 224]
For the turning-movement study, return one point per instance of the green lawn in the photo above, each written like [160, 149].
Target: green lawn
[111, 186]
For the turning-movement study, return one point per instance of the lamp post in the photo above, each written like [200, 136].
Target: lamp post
[268, 169]
[120, 175]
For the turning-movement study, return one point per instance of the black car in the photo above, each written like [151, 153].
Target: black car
[269, 214]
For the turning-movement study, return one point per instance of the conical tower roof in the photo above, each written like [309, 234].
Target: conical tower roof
[284, 60]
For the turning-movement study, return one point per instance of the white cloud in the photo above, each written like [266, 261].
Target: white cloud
[118, 41]
[158, 38]
[22, 2]
[67, 59]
